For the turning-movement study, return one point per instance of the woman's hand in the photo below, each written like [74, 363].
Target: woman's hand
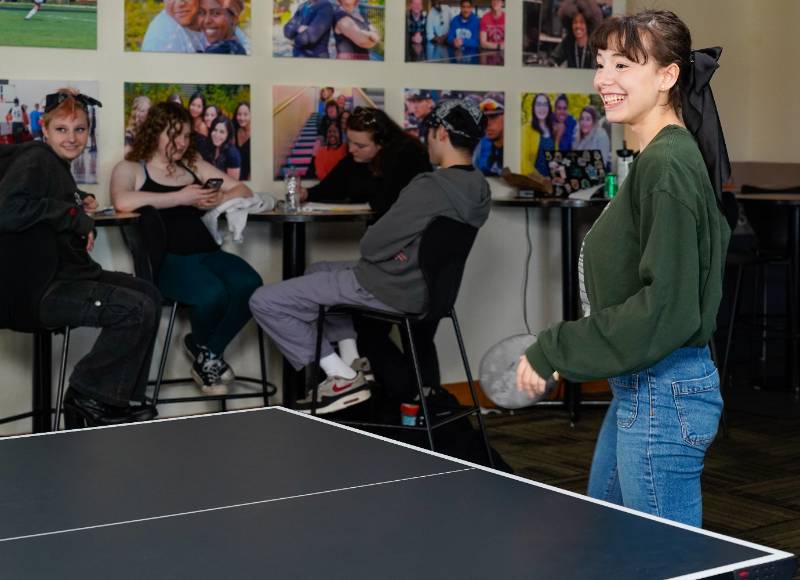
[89, 203]
[90, 242]
[528, 380]
[194, 195]
[211, 200]
[302, 194]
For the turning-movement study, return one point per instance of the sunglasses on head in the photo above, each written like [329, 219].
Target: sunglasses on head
[53, 100]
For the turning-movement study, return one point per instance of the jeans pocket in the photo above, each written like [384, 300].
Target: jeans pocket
[626, 391]
[699, 406]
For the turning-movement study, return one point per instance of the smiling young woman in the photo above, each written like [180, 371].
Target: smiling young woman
[38, 189]
[650, 276]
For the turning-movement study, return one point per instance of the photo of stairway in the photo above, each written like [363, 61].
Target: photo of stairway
[301, 117]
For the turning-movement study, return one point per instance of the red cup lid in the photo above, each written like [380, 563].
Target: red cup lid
[409, 408]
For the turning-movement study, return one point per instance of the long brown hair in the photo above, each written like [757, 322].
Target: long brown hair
[383, 131]
[656, 34]
[163, 116]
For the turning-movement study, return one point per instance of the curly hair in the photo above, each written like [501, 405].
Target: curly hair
[162, 117]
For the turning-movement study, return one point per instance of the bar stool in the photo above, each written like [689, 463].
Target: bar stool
[31, 256]
[146, 240]
[443, 254]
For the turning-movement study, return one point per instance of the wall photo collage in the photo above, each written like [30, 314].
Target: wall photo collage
[310, 122]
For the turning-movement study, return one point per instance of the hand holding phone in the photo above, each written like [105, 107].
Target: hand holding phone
[214, 183]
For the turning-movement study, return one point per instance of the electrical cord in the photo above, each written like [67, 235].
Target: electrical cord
[527, 270]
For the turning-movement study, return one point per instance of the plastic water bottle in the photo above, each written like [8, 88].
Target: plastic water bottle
[624, 160]
[292, 181]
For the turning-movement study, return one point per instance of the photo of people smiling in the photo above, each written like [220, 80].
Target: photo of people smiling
[188, 26]
[220, 120]
[456, 31]
[556, 32]
[560, 122]
[337, 29]
[310, 126]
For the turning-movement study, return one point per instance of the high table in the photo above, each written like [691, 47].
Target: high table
[294, 264]
[569, 270]
[791, 201]
[42, 383]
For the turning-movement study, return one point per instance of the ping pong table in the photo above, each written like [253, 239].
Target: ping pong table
[274, 493]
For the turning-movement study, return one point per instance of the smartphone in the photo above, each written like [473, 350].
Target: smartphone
[213, 183]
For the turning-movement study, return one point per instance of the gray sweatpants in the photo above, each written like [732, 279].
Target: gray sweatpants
[288, 310]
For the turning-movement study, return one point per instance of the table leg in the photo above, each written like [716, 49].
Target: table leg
[794, 306]
[569, 290]
[294, 264]
[42, 381]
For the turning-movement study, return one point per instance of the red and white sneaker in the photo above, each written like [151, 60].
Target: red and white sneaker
[362, 364]
[337, 393]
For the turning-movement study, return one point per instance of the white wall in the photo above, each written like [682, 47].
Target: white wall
[490, 304]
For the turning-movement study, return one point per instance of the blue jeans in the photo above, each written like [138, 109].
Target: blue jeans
[217, 286]
[649, 455]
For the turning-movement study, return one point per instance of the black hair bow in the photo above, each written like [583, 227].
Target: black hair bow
[701, 117]
[53, 100]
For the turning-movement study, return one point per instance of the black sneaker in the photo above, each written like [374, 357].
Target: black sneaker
[207, 373]
[192, 350]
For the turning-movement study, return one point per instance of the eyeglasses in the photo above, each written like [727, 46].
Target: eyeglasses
[53, 100]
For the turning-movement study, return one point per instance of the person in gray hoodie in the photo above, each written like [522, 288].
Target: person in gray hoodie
[388, 275]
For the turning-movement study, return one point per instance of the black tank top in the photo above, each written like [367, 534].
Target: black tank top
[186, 233]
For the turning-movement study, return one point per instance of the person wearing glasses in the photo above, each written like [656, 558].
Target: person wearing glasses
[387, 276]
[38, 188]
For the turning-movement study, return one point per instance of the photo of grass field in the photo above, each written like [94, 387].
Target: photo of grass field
[58, 24]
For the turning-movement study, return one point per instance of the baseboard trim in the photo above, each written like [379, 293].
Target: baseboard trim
[461, 392]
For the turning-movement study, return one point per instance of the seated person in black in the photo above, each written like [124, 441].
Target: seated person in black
[381, 160]
[165, 171]
[38, 188]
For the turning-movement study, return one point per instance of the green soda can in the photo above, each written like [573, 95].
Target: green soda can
[611, 185]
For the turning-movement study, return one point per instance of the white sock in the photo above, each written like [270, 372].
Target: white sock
[348, 350]
[33, 11]
[334, 366]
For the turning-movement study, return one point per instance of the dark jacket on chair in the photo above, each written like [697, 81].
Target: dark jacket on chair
[36, 186]
[43, 231]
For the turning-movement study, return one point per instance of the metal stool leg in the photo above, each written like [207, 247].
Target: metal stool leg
[263, 362]
[471, 384]
[62, 376]
[162, 364]
[408, 343]
[731, 323]
[317, 357]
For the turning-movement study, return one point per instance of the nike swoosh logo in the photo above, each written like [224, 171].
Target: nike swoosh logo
[338, 389]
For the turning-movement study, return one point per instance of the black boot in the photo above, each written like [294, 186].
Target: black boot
[82, 411]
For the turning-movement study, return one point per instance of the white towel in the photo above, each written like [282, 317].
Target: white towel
[236, 210]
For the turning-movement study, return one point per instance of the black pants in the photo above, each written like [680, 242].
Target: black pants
[393, 369]
[128, 310]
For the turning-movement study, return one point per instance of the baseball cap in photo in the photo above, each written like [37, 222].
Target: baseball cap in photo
[491, 107]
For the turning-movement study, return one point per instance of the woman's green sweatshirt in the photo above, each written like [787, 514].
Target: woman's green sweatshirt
[653, 267]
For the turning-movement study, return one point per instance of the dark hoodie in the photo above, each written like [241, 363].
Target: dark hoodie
[455, 193]
[36, 186]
